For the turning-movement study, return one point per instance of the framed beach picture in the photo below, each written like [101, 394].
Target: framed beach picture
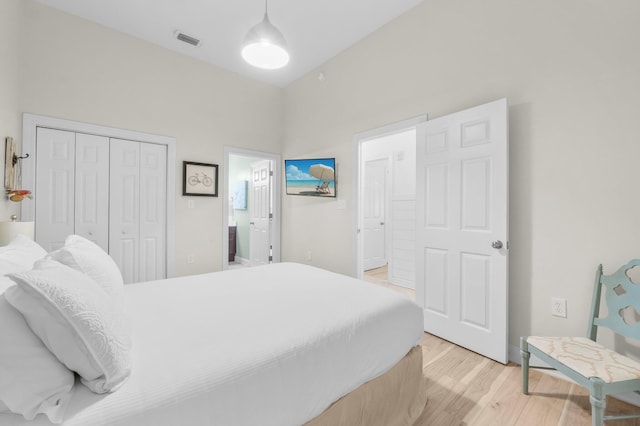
[199, 179]
[239, 195]
[313, 177]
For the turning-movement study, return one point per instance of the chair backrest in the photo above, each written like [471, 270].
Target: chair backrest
[622, 298]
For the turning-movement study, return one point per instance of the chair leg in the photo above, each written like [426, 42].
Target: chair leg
[525, 355]
[598, 401]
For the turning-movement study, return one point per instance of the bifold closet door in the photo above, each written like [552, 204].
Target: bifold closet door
[92, 185]
[72, 177]
[153, 211]
[55, 187]
[138, 209]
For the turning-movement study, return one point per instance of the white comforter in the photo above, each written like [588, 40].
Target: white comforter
[271, 345]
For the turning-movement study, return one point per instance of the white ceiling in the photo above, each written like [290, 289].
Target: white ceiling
[315, 31]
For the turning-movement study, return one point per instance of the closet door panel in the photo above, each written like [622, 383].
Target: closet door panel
[92, 187]
[153, 181]
[124, 211]
[55, 181]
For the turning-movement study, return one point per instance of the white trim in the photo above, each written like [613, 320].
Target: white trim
[358, 140]
[276, 159]
[30, 123]
[243, 261]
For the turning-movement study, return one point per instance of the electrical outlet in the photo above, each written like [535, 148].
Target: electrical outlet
[191, 258]
[559, 307]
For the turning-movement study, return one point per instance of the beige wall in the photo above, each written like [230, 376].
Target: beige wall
[569, 69]
[10, 123]
[73, 69]
[571, 74]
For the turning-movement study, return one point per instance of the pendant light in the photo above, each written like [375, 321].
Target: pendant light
[264, 46]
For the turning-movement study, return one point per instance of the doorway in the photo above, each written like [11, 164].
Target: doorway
[250, 195]
[385, 176]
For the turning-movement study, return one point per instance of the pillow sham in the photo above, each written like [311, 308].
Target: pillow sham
[87, 257]
[32, 380]
[21, 252]
[79, 323]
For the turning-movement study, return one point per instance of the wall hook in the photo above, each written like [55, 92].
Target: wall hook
[16, 158]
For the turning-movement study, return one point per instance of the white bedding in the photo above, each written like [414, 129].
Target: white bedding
[271, 345]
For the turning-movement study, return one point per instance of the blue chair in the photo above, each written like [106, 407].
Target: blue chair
[597, 368]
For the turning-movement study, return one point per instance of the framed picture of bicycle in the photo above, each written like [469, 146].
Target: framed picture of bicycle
[199, 179]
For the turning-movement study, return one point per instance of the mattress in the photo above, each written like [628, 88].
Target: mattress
[269, 345]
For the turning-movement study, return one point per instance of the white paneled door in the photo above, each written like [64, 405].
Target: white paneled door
[153, 211]
[137, 209]
[110, 191]
[124, 207]
[374, 211]
[462, 228]
[260, 213]
[92, 183]
[55, 187]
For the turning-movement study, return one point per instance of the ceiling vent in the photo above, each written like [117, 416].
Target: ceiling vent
[187, 39]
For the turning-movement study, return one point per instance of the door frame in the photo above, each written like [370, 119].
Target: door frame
[276, 183]
[30, 123]
[358, 169]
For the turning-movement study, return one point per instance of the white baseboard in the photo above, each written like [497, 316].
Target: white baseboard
[242, 261]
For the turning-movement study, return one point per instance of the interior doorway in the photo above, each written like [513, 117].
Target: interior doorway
[385, 176]
[251, 218]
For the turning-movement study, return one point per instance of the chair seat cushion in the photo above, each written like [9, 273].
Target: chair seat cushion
[588, 358]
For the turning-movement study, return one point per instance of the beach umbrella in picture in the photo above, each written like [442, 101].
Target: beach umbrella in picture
[322, 172]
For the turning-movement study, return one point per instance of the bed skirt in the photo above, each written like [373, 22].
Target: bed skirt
[398, 397]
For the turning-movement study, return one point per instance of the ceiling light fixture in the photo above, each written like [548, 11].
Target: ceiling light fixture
[264, 46]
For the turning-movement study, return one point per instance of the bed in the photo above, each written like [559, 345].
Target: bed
[281, 344]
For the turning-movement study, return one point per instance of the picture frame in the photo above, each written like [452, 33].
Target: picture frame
[199, 179]
[239, 195]
[314, 177]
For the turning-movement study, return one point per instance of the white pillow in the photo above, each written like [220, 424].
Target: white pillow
[79, 323]
[7, 267]
[32, 380]
[21, 251]
[89, 258]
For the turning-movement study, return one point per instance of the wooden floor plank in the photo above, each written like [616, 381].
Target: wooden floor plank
[465, 388]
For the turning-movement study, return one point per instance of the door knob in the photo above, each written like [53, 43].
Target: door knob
[251, 223]
[381, 223]
[496, 244]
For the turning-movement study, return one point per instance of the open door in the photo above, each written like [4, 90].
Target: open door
[462, 228]
[260, 213]
[374, 209]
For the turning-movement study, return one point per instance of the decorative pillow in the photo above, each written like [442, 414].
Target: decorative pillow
[89, 258]
[79, 323]
[32, 380]
[21, 251]
[7, 267]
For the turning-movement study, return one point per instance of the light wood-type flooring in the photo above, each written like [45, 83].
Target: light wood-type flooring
[465, 388]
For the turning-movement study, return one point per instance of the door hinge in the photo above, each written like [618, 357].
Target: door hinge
[270, 215]
[270, 258]
[270, 172]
